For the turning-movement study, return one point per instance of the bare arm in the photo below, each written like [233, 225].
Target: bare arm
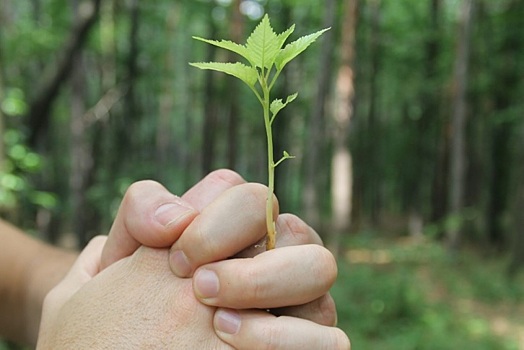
[28, 270]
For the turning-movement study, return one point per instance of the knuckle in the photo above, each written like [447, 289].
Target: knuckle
[271, 338]
[255, 289]
[135, 192]
[226, 175]
[300, 232]
[139, 187]
[327, 311]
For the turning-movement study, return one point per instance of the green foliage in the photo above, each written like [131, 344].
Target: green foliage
[402, 302]
[19, 163]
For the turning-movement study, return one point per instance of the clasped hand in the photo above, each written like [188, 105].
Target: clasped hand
[191, 273]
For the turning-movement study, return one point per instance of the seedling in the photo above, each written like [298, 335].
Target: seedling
[266, 57]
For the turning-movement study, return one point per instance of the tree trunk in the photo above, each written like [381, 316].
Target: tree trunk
[132, 61]
[315, 145]
[458, 125]
[425, 138]
[236, 31]
[2, 97]
[509, 50]
[81, 159]
[373, 128]
[517, 251]
[341, 171]
[210, 108]
[56, 73]
[108, 44]
[164, 130]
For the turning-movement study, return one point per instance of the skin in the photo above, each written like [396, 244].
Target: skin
[101, 279]
[28, 270]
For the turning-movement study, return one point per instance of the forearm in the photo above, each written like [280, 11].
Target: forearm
[28, 270]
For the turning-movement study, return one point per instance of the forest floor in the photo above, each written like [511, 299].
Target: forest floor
[410, 294]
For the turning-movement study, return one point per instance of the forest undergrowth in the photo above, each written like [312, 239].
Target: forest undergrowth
[408, 293]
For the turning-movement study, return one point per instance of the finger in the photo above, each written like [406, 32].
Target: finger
[254, 330]
[149, 215]
[291, 230]
[281, 277]
[212, 186]
[235, 220]
[321, 311]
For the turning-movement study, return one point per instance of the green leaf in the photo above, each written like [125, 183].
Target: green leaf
[263, 44]
[229, 45]
[282, 37]
[288, 156]
[295, 48]
[247, 74]
[277, 105]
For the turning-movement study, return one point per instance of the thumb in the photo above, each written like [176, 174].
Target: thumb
[86, 266]
[149, 215]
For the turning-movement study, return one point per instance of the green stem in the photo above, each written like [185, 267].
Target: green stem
[270, 224]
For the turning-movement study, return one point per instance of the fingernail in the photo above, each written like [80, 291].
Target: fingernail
[227, 321]
[206, 284]
[179, 264]
[169, 213]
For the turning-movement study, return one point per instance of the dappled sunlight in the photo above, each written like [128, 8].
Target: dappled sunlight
[402, 293]
[367, 256]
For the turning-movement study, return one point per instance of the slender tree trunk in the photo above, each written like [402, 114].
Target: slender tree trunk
[426, 125]
[210, 109]
[2, 96]
[458, 125]
[440, 168]
[517, 260]
[341, 171]
[81, 159]
[373, 128]
[517, 251]
[131, 117]
[56, 73]
[315, 145]
[167, 98]
[108, 44]
[236, 31]
[510, 51]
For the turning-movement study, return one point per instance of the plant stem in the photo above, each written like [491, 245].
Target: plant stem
[270, 223]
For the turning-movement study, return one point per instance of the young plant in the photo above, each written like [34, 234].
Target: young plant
[266, 57]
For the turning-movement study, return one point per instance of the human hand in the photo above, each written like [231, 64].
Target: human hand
[292, 231]
[135, 303]
[296, 278]
[292, 280]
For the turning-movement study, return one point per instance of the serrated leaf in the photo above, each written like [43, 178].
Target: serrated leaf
[229, 45]
[295, 48]
[282, 37]
[291, 98]
[277, 105]
[247, 74]
[263, 44]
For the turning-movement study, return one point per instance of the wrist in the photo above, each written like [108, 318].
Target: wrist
[46, 267]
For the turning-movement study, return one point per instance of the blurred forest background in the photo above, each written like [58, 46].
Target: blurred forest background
[408, 132]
